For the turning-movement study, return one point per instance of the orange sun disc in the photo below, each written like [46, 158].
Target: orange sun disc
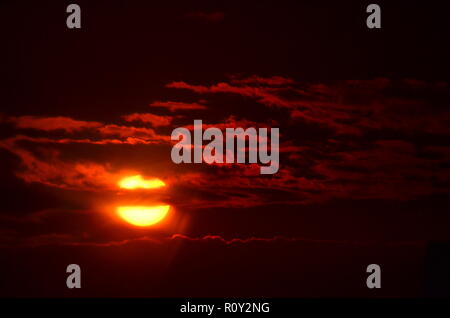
[143, 215]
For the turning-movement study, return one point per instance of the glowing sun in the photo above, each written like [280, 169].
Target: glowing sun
[143, 215]
[137, 182]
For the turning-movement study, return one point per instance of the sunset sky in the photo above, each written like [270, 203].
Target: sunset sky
[364, 123]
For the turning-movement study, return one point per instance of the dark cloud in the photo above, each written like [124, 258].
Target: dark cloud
[213, 17]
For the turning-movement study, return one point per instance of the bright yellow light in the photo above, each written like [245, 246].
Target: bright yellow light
[136, 182]
[143, 215]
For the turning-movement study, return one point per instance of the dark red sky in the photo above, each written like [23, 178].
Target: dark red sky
[364, 129]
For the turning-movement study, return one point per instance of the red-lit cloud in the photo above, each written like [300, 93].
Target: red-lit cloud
[154, 120]
[175, 106]
[53, 123]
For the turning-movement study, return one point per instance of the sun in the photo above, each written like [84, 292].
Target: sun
[137, 182]
[143, 215]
